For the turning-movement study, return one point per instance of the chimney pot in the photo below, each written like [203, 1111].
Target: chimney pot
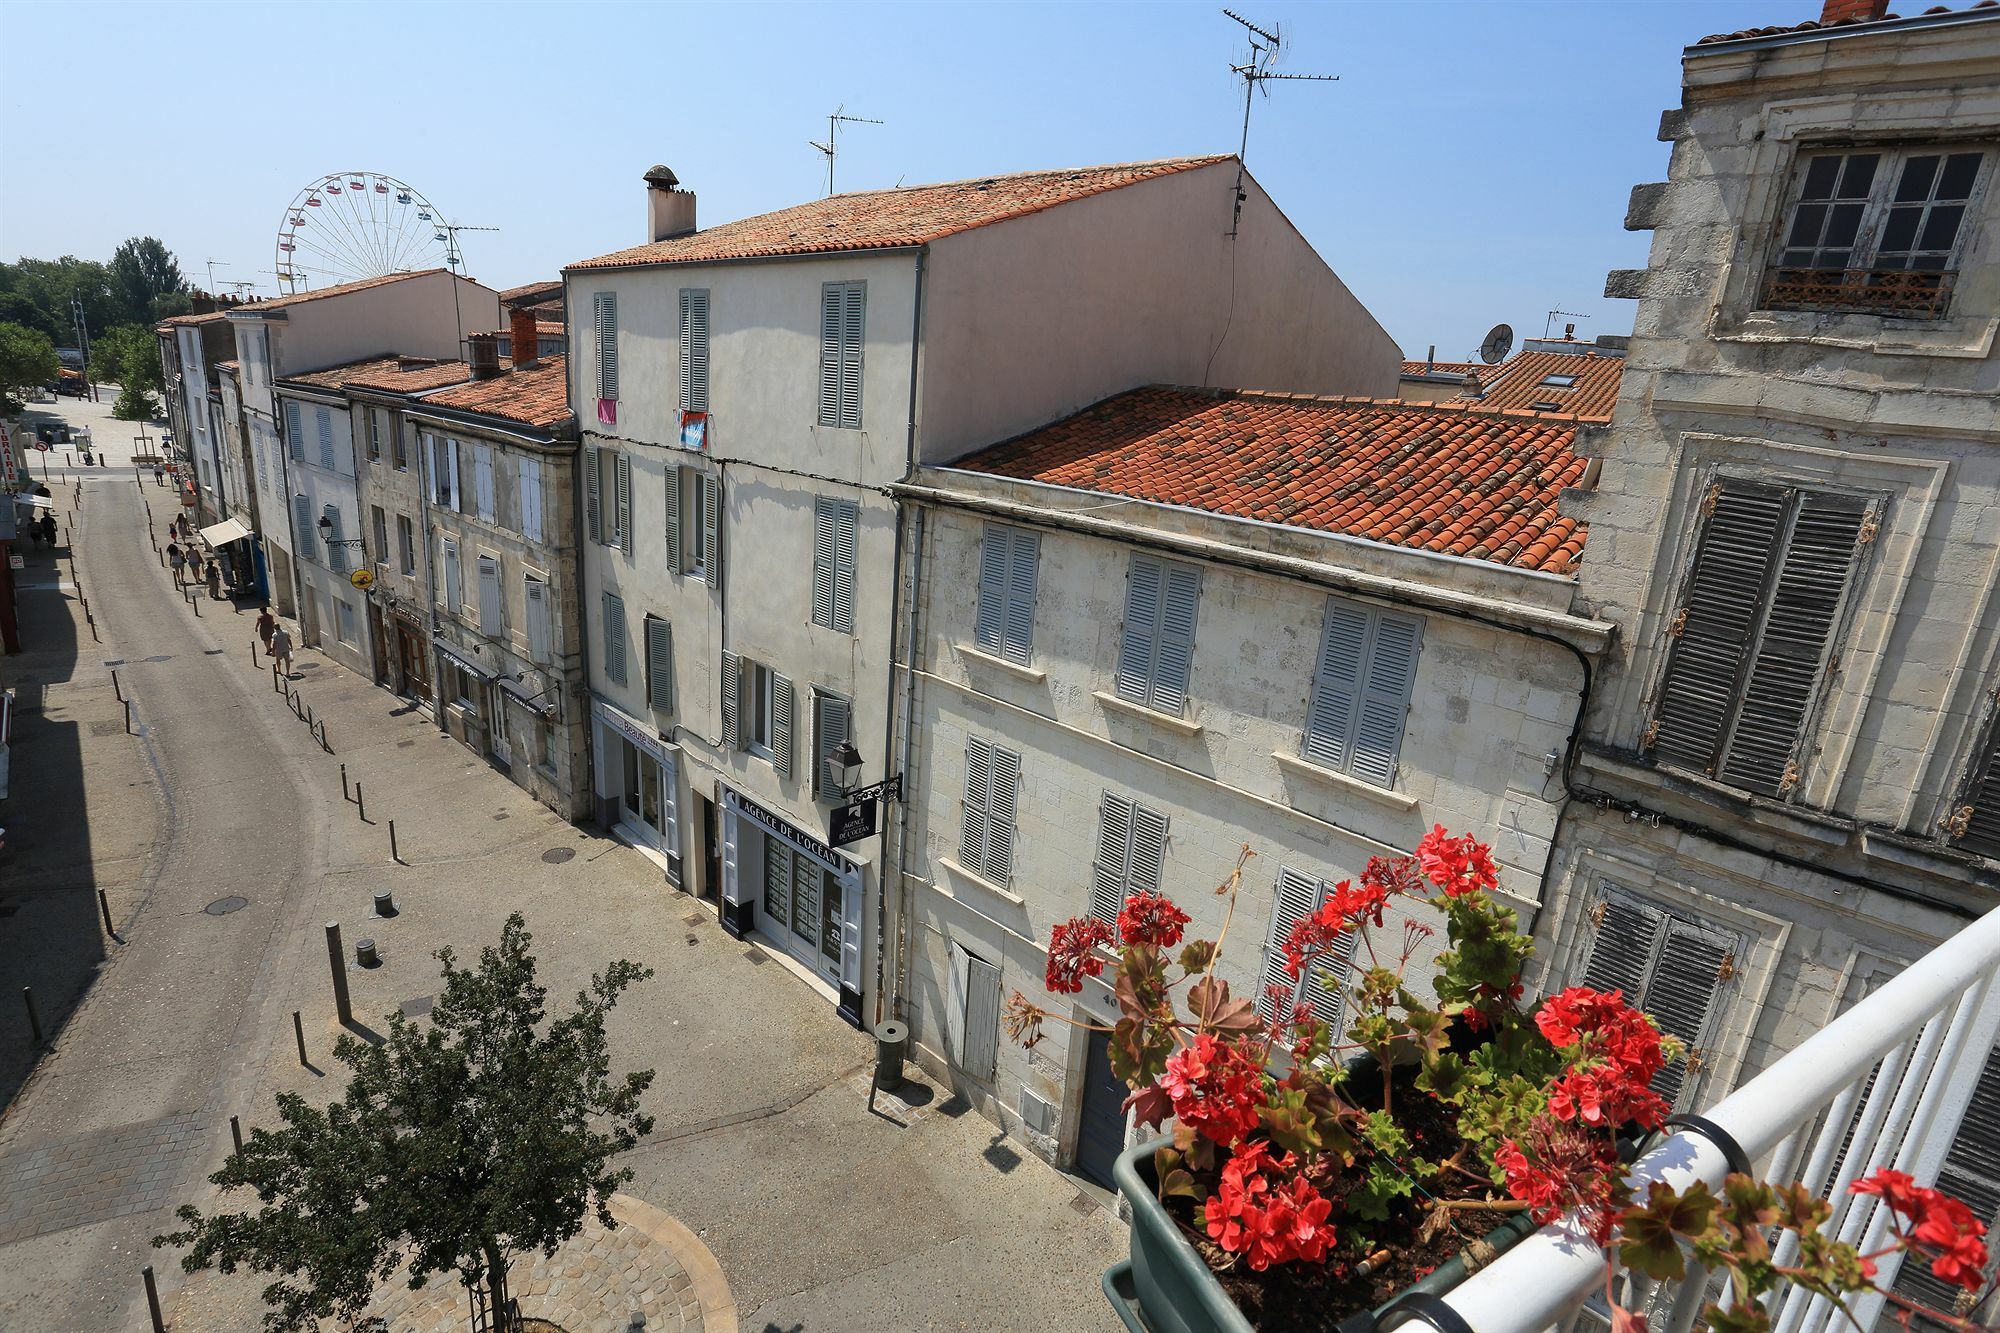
[669, 209]
[525, 337]
[1853, 11]
[483, 352]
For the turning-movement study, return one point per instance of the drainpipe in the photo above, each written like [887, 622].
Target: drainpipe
[580, 543]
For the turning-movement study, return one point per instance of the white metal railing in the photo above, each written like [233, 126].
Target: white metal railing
[1908, 1056]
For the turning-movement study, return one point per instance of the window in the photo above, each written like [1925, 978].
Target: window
[295, 435]
[1749, 648]
[444, 471]
[454, 592]
[1296, 897]
[1975, 824]
[528, 486]
[379, 528]
[1559, 381]
[1131, 842]
[345, 625]
[1875, 231]
[1005, 623]
[605, 304]
[406, 543]
[694, 523]
[324, 420]
[374, 434]
[399, 451]
[608, 497]
[336, 553]
[757, 711]
[1361, 691]
[535, 598]
[1158, 643]
[482, 483]
[694, 350]
[986, 829]
[832, 720]
[614, 638]
[840, 329]
[1970, 1174]
[834, 525]
[972, 1020]
[304, 533]
[547, 748]
[1671, 966]
[659, 663]
[492, 612]
[458, 686]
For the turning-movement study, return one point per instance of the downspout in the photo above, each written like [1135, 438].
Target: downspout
[285, 476]
[580, 543]
[424, 464]
[891, 762]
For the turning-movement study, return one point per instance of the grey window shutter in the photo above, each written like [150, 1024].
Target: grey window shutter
[1682, 996]
[781, 724]
[302, 519]
[454, 592]
[1136, 646]
[1149, 848]
[852, 323]
[491, 617]
[1970, 1174]
[1790, 661]
[1019, 632]
[451, 476]
[535, 593]
[732, 701]
[846, 531]
[324, 420]
[1981, 823]
[1180, 594]
[1336, 688]
[831, 722]
[614, 638]
[624, 476]
[1295, 898]
[673, 524]
[824, 523]
[1385, 697]
[659, 663]
[830, 307]
[711, 529]
[982, 1018]
[606, 304]
[694, 350]
[955, 1007]
[978, 797]
[990, 618]
[593, 496]
[336, 554]
[1004, 786]
[1621, 951]
[295, 436]
[1114, 851]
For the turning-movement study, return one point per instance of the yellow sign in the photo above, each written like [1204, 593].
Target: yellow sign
[361, 578]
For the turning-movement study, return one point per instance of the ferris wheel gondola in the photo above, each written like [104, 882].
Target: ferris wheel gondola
[370, 225]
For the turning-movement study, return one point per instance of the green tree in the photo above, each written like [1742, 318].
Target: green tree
[59, 287]
[130, 358]
[485, 1133]
[27, 359]
[141, 272]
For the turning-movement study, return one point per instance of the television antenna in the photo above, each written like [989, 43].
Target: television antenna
[1499, 342]
[211, 272]
[1550, 322]
[1256, 72]
[832, 144]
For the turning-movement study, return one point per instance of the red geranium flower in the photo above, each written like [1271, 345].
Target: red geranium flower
[1457, 865]
[1073, 955]
[1150, 918]
[1266, 1220]
[1215, 1088]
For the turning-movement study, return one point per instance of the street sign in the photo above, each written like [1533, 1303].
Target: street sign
[851, 822]
[361, 578]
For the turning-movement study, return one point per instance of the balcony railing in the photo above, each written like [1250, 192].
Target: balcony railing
[1907, 1057]
[1892, 293]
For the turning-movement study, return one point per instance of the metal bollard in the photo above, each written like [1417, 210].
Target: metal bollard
[34, 1019]
[153, 1300]
[394, 855]
[345, 795]
[253, 654]
[195, 602]
[104, 906]
[115, 690]
[341, 1005]
[360, 806]
[236, 1132]
[299, 1032]
[128, 717]
[274, 678]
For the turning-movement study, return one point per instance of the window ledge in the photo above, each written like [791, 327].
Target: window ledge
[986, 659]
[960, 872]
[1395, 800]
[1167, 720]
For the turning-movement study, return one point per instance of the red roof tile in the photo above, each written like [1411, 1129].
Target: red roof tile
[880, 219]
[535, 293]
[1447, 477]
[538, 396]
[1443, 367]
[279, 302]
[389, 374]
[1520, 382]
[1811, 25]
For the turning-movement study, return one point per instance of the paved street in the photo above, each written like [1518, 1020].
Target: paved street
[820, 1213]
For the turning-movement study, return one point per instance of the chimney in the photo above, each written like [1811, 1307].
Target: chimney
[1431, 359]
[525, 337]
[1852, 11]
[483, 352]
[669, 209]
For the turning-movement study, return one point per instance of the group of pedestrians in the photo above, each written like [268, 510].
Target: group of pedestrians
[187, 561]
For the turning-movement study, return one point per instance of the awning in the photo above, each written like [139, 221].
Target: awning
[464, 659]
[225, 532]
[542, 702]
[36, 501]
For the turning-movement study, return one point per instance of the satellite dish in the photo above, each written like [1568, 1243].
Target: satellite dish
[1499, 342]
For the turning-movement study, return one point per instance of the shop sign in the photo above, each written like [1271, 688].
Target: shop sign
[628, 728]
[798, 837]
[851, 822]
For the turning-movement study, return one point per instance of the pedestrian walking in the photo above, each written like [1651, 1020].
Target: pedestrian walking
[159, 475]
[195, 570]
[215, 580]
[266, 622]
[49, 530]
[281, 650]
[178, 560]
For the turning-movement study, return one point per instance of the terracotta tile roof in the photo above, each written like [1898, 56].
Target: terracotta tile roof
[280, 302]
[1443, 367]
[1447, 477]
[182, 321]
[390, 374]
[546, 328]
[538, 396]
[1519, 384]
[879, 219]
[1811, 25]
[533, 293]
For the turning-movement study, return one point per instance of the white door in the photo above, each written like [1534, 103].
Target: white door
[498, 731]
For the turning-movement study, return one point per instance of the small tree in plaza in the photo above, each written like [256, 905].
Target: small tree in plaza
[457, 1145]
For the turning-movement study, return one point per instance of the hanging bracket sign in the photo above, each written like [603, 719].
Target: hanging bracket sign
[855, 818]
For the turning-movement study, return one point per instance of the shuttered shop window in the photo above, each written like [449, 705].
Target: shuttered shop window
[1005, 622]
[694, 350]
[1131, 844]
[992, 786]
[1361, 691]
[841, 324]
[614, 638]
[1975, 825]
[1296, 897]
[834, 528]
[659, 663]
[1671, 966]
[1157, 648]
[1753, 639]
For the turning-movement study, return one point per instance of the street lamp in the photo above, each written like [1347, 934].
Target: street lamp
[843, 766]
[326, 534]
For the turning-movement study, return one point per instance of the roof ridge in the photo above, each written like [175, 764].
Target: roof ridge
[1466, 405]
[1183, 160]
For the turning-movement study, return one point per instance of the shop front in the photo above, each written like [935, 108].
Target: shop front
[795, 893]
[638, 785]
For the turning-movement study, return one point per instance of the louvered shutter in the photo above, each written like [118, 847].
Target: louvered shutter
[1681, 997]
[1180, 593]
[1336, 689]
[781, 725]
[825, 521]
[295, 435]
[673, 523]
[530, 486]
[978, 797]
[990, 617]
[1970, 1174]
[606, 304]
[982, 1018]
[1019, 631]
[1717, 622]
[1385, 698]
[593, 497]
[623, 472]
[1295, 898]
[1142, 617]
[732, 701]
[336, 554]
[711, 530]
[614, 638]
[1114, 849]
[830, 307]
[954, 1010]
[302, 520]
[451, 476]
[830, 727]
[1791, 656]
[1002, 792]
[490, 616]
[535, 594]
[659, 663]
[851, 327]
[324, 420]
[1149, 849]
[482, 481]
[847, 520]
[1982, 797]
[694, 350]
[454, 589]
[1621, 951]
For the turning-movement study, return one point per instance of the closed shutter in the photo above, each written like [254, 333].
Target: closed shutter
[1114, 849]
[1336, 689]
[1149, 848]
[1003, 789]
[1970, 1174]
[490, 616]
[302, 522]
[851, 327]
[1621, 951]
[1681, 998]
[482, 481]
[1298, 896]
[624, 476]
[978, 799]
[659, 663]
[673, 523]
[1180, 594]
[454, 593]
[694, 350]
[1136, 646]
[295, 435]
[711, 530]
[606, 305]
[614, 638]
[1385, 698]
[990, 617]
[593, 497]
[336, 554]
[732, 701]
[982, 1018]
[1005, 621]
[781, 725]
[536, 594]
[824, 522]
[324, 420]
[831, 723]
[530, 486]
[1982, 800]
[954, 1009]
[1019, 631]
[451, 475]
[830, 304]
[847, 519]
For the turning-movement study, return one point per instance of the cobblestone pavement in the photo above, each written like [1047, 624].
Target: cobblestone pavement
[84, 1178]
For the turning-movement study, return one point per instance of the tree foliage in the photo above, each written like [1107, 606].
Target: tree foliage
[27, 358]
[143, 272]
[130, 358]
[487, 1132]
[142, 285]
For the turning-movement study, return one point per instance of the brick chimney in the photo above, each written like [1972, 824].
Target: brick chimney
[483, 352]
[1859, 11]
[669, 209]
[525, 338]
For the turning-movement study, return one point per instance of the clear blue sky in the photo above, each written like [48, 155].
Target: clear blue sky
[1471, 166]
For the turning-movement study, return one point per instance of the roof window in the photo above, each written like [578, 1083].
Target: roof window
[1559, 381]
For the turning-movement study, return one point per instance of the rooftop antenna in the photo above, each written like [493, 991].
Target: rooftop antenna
[453, 261]
[211, 272]
[1550, 322]
[1256, 71]
[832, 144]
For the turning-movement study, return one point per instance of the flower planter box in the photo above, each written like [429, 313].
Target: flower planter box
[1166, 1286]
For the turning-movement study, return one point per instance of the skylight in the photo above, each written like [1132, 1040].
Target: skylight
[1559, 381]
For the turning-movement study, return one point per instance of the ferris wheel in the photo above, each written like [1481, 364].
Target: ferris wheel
[354, 225]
